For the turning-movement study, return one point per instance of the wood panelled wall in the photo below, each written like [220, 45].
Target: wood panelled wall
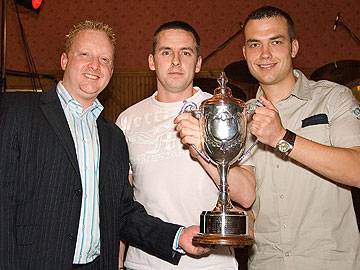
[123, 90]
[126, 89]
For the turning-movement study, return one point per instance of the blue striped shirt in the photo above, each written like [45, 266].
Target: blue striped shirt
[83, 127]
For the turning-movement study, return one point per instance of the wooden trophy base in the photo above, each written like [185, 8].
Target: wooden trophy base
[228, 240]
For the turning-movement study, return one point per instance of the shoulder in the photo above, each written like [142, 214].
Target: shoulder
[19, 104]
[10, 99]
[133, 111]
[324, 87]
[324, 92]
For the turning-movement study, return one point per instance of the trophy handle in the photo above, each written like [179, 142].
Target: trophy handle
[192, 108]
[251, 106]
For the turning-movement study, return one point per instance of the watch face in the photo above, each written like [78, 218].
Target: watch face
[284, 146]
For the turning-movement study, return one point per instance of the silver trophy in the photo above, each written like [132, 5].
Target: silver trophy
[223, 121]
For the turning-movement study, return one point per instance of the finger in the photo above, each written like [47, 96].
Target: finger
[254, 130]
[185, 116]
[191, 140]
[185, 127]
[202, 250]
[267, 103]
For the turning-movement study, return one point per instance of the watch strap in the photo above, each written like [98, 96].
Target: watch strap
[290, 138]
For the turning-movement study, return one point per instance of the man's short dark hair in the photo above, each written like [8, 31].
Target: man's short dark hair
[176, 25]
[269, 12]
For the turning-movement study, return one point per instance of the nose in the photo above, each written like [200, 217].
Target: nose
[265, 52]
[175, 60]
[94, 63]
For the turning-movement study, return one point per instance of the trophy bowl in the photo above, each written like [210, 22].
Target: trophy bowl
[223, 130]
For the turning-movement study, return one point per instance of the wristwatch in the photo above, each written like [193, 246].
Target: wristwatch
[286, 144]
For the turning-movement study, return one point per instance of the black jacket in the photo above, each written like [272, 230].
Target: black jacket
[40, 190]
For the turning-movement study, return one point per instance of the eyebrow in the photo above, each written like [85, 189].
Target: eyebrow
[182, 49]
[272, 38]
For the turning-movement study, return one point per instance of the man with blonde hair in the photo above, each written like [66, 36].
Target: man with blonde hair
[65, 199]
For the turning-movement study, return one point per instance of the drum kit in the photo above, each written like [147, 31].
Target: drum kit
[345, 72]
[241, 82]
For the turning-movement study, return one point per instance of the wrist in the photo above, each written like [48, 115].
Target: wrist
[286, 144]
[176, 243]
[280, 137]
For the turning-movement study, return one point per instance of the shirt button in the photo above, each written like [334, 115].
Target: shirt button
[284, 226]
[78, 192]
[277, 166]
[282, 196]
[71, 236]
[287, 254]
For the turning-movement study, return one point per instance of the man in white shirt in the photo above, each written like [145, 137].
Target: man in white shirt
[167, 180]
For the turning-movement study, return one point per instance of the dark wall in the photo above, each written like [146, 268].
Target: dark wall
[135, 21]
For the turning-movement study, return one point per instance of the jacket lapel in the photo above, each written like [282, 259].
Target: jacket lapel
[105, 148]
[54, 113]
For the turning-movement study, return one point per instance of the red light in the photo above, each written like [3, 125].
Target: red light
[36, 3]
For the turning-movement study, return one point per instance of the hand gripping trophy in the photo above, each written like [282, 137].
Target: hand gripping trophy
[223, 123]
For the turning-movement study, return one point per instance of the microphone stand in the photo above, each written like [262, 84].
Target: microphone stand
[31, 75]
[224, 44]
[4, 71]
[351, 33]
[3, 51]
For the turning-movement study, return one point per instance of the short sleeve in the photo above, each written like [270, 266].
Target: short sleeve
[345, 119]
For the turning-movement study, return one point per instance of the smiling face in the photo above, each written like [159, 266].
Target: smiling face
[268, 51]
[88, 66]
[175, 61]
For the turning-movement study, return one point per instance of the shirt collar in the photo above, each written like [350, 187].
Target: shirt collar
[67, 101]
[301, 88]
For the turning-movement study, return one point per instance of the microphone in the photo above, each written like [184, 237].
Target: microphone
[336, 21]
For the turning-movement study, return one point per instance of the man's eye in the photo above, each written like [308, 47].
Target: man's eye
[276, 42]
[165, 53]
[105, 60]
[253, 45]
[186, 53]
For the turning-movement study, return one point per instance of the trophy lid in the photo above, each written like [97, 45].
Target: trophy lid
[224, 93]
[223, 89]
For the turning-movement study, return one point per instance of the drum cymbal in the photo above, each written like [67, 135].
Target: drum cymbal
[238, 72]
[209, 85]
[345, 72]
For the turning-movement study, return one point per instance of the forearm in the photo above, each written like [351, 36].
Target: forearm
[242, 185]
[338, 164]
